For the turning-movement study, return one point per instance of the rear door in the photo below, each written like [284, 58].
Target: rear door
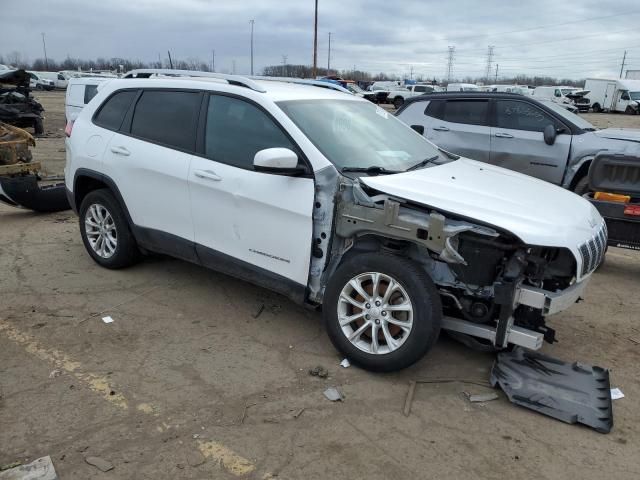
[518, 144]
[255, 225]
[461, 126]
[609, 103]
[148, 158]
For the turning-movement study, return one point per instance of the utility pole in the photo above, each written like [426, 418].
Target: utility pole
[452, 51]
[284, 64]
[159, 61]
[213, 60]
[489, 61]
[170, 61]
[496, 73]
[624, 57]
[315, 43]
[252, 22]
[44, 47]
[411, 72]
[329, 57]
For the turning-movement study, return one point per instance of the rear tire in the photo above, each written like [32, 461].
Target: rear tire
[597, 108]
[404, 314]
[105, 231]
[582, 186]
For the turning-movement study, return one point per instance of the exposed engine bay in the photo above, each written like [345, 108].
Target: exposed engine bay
[495, 290]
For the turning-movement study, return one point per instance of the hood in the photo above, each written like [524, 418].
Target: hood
[630, 134]
[577, 94]
[537, 212]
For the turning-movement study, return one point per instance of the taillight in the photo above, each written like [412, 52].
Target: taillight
[69, 128]
[632, 210]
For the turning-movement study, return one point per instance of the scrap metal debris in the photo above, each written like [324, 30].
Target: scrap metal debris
[570, 392]
[40, 469]
[319, 371]
[333, 394]
[616, 394]
[345, 363]
[482, 397]
[100, 463]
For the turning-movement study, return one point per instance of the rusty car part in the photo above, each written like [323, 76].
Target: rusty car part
[17, 106]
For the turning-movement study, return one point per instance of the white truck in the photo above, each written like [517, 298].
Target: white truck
[398, 94]
[613, 95]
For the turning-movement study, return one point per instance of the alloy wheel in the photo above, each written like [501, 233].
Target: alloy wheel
[100, 229]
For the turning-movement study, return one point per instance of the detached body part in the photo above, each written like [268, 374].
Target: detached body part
[328, 199]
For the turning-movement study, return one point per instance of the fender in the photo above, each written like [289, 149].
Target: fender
[108, 181]
[573, 168]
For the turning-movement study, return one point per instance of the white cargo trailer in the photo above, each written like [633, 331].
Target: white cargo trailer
[613, 95]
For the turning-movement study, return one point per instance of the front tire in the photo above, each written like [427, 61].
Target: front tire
[105, 231]
[582, 186]
[381, 311]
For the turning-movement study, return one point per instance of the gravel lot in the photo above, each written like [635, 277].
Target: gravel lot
[203, 376]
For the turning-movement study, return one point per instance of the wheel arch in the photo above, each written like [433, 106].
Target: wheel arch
[86, 181]
[580, 169]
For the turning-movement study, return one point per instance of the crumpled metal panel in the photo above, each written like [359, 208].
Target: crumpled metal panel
[570, 392]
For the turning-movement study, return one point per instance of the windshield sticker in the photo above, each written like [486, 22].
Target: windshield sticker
[382, 112]
[393, 154]
[341, 123]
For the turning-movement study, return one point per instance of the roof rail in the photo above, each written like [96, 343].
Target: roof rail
[302, 81]
[237, 80]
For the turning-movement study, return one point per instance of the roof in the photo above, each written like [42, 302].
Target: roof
[453, 95]
[277, 89]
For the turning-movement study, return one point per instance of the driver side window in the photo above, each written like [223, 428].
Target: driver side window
[518, 115]
[236, 130]
[625, 96]
[557, 93]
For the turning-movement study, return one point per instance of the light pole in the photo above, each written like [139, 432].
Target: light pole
[315, 43]
[252, 22]
[329, 57]
[44, 47]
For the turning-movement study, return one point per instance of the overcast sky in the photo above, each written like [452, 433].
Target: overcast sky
[566, 39]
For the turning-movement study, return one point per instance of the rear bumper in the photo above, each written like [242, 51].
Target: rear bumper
[624, 230]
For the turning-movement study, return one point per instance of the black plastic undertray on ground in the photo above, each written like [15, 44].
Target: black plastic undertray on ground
[570, 392]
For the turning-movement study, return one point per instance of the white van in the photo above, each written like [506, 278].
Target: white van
[613, 95]
[80, 91]
[564, 95]
[462, 87]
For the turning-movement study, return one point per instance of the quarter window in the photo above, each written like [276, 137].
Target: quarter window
[471, 112]
[522, 116]
[167, 117]
[89, 92]
[112, 111]
[236, 130]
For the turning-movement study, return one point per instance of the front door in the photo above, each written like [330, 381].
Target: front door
[517, 141]
[254, 225]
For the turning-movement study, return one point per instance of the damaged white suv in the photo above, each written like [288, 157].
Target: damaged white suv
[328, 199]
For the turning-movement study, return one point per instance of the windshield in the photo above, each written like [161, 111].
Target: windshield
[353, 87]
[358, 134]
[572, 117]
[634, 95]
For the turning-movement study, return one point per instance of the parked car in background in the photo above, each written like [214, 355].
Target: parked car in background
[80, 91]
[564, 95]
[462, 87]
[520, 89]
[332, 201]
[615, 183]
[378, 96]
[541, 139]
[613, 95]
[40, 82]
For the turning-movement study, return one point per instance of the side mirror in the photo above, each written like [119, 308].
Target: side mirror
[418, 128]
[277, 160]
[550, 134]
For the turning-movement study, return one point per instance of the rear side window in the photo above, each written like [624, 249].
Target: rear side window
[470, 112]
[112, 111]
[167, 117]
[236, 130]
[89, 92]
[522, 116]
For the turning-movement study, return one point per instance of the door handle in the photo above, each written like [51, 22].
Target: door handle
[441, 129]
[504, 135]
[207, 175]
[120, 151]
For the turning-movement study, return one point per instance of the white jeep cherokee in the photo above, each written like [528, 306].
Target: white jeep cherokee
[328, 199]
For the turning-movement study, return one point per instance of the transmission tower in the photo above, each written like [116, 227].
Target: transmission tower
[452, 51]
[489, 62]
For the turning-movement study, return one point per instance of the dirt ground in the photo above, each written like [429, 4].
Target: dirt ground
[201, 376]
